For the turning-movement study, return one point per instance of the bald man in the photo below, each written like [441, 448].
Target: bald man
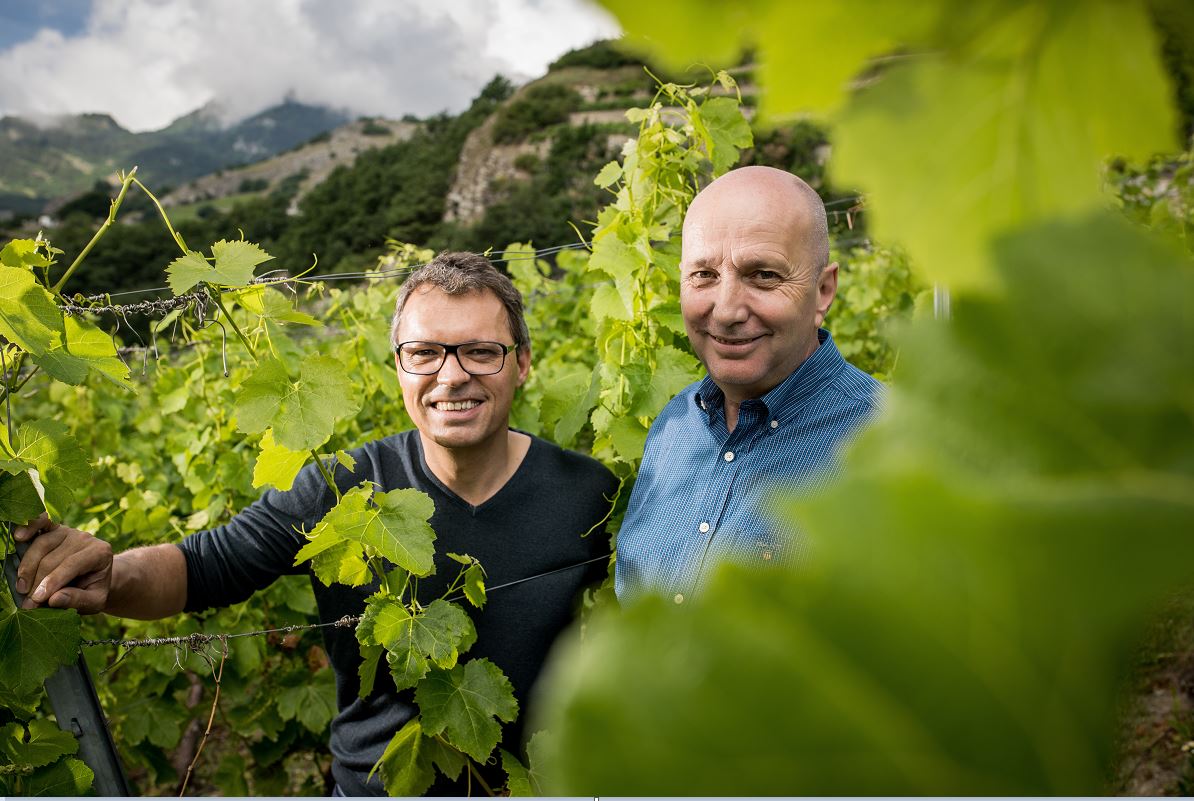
[755, 285]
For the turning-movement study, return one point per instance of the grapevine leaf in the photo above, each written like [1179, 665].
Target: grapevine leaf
[449, 761]
[186, 272]
[561, 392]
[68, 778]
[34, 643]
[20, 501]
[59, 459]
[725, 131]
[609, 173]
[272, 305]
[619, 260]
[341, 562]
[628, 436]
[405, 766]
[46, 743]
[370, 657]
[527, 272]
[346, 461]
[82, 348]
[233, 265]
[607, 304]
[474, 585]
[474, 578]
[519, 782]
[706, 32]
[160, 725]
[439, 634]
[1026, 144]
[28, 315]
[395, 524]
[467, 702]
[674, 369]
[14, 466]
[312, 702]
[525, 780]
[24, 253]
[302, 413]
[407, 667]
[574, 420]
[277, 465]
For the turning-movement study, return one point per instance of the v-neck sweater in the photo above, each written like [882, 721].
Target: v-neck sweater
[535, 524]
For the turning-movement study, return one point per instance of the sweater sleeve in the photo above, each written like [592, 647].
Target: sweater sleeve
[227, 564]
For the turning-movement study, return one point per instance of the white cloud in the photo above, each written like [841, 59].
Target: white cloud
[147, 62]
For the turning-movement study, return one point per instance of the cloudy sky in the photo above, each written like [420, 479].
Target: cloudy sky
[148, 62]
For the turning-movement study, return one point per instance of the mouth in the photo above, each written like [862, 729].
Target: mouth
[734, 342]
[455, 406]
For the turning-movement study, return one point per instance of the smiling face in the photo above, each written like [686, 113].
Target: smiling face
[750, 288]
[451, 408]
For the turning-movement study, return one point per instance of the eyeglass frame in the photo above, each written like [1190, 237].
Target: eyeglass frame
[453, 350]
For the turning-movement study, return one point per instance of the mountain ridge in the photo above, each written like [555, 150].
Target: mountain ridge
[50, 159]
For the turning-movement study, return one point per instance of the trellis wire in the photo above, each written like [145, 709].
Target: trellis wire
[198, 640]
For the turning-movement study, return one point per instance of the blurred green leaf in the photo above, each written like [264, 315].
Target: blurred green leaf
[312, 702]
[1044, 95]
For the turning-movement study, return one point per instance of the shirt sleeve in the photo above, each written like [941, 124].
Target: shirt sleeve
[227, 564]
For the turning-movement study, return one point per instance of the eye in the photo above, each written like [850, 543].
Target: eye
[483, 352]
[767, 275]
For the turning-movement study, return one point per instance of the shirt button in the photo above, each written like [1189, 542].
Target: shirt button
[679, 598]
[703, 527]
[729, 456]
[775, 424]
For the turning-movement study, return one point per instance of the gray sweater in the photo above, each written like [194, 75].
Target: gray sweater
[533, 525]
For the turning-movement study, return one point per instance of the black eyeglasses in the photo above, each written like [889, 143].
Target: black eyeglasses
[475, 358]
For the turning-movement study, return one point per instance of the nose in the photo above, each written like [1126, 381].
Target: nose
[451, 373]
[729, 301]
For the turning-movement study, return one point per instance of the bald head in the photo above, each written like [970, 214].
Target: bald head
[775, 194]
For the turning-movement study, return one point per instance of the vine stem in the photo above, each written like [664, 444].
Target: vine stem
[472, 767]
[240, 334]
[215, 702]
[112, 209]
[165, 218]
[323, 471]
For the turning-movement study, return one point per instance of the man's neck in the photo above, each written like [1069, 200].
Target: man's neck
[477, 473]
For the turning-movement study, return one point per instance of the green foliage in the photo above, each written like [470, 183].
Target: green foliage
[602, 55]
[34, 643]
[1159, 194]
[539, 107]
[876, 289]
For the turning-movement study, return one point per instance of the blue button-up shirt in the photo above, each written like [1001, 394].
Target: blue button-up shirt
[705, 494]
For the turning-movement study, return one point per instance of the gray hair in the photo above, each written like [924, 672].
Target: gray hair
[458, 274]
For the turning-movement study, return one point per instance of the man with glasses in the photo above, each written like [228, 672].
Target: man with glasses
[522, 506]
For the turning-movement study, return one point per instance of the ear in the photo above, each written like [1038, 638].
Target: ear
[826, 291]
[524, 363]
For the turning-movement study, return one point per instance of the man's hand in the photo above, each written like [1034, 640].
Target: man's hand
[64, 567]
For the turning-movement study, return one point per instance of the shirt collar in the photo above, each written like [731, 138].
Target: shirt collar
[783, 399]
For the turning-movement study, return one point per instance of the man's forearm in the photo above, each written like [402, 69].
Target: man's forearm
[148, 583]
